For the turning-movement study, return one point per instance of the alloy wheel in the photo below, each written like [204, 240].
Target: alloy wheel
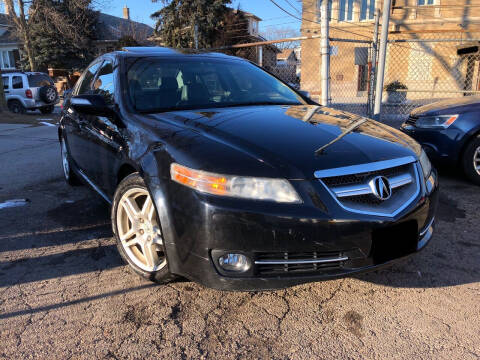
[476, 160]
[65, 163]
[51, 95]
[139, 230]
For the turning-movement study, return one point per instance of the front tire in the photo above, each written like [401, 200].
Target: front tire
[68, 173]
[471, 160]
[138, 232]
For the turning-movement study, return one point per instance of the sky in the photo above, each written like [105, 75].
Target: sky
[271, 15]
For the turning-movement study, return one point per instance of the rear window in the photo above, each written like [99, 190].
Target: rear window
[39, 80]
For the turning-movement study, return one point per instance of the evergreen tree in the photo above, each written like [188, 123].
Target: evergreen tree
[62, 32]
[178, 20]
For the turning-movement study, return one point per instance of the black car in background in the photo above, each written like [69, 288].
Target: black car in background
[449, 131]
[219, 172]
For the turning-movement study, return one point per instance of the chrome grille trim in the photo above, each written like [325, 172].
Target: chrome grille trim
[427, 227]
[362, 168]
[411, 182]
[364, 189]
[292, 262]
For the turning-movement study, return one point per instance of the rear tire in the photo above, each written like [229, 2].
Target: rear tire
[16, 107]
[138, 231]
[70, 177]
[471, 160]
[47, 109]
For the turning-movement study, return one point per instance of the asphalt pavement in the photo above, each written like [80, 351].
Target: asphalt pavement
[65, 294]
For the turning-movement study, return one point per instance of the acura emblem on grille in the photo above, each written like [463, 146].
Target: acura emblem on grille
[380, 187]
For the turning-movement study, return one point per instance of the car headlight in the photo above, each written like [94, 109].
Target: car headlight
[436, 122]
[426, 164]
[246, 187]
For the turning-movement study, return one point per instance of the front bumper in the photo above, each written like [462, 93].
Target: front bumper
[441, 145]
[202, 228]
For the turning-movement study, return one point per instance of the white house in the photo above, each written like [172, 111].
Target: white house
[9, 53]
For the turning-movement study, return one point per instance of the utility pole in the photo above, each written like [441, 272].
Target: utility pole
[325, 52]
[373, 67]
[381, 59]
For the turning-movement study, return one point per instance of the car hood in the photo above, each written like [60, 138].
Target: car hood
[286, 137]
[449, 107]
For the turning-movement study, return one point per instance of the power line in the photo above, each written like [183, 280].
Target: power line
[293, 7]
[315, 22]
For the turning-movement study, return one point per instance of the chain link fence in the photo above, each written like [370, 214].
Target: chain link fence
[421, 68]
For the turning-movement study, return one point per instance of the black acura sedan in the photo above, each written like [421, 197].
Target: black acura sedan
[219, 172]
[449, 131]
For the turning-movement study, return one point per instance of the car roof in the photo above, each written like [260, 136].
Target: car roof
[166, 52]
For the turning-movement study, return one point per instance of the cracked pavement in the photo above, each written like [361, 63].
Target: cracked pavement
[64, 292]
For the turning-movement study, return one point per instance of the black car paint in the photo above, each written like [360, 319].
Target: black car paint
[255, 141]
[447, 145]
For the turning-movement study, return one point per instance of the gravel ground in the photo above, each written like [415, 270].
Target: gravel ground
[64, 292]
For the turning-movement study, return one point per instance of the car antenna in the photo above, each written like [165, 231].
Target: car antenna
[347, 131]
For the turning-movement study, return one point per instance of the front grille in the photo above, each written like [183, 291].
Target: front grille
[291, 263]
[352, 189]
[412, 120]
[361, 178]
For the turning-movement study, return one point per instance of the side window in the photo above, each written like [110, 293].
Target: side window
[17, 82]
[5, 82]
[103, 84]
[86, 81]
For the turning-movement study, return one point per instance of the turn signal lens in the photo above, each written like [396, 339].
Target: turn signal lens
[28, 94]
[278, 190]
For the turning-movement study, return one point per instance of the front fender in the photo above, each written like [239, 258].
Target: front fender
[156, 174]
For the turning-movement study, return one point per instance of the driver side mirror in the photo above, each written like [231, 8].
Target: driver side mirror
[91, 105]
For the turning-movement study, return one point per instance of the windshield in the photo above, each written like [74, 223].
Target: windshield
[156, 85]
[39, 80]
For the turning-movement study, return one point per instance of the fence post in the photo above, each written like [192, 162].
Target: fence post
[325, 51]
[260, 55]
[381, 59]
[373, 69]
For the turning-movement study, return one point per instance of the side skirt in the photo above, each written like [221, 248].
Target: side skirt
[93, 186]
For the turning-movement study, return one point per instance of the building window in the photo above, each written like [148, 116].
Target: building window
[345, 10]
[426, 2]
[367, 9]
[7, 59]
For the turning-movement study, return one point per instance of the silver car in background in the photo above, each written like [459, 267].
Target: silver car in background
[29, 91]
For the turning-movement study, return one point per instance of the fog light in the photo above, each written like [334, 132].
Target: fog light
[234, 262]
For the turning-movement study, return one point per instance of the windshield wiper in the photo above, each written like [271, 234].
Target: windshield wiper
[347, 131]
[212, 106]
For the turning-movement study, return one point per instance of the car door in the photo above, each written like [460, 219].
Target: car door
[106, 132]
[6, 86]
[78, 139]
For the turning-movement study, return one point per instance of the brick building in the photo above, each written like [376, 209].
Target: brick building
[421, 59]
